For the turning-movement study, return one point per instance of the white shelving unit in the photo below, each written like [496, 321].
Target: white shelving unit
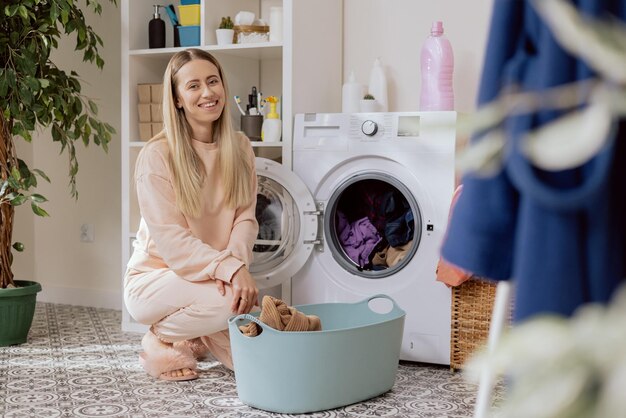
[304, 70]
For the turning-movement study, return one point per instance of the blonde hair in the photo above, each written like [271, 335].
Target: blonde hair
[185, 165]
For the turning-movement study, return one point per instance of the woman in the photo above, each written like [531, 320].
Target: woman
[196, 187]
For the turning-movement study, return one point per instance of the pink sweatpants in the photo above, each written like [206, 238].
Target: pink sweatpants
[180, 310]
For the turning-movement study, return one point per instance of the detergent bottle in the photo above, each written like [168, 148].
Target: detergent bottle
[378, 86]
[272, 125]
[351, 94]
[437, 65]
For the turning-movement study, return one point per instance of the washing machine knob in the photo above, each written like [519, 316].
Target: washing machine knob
[369, 128]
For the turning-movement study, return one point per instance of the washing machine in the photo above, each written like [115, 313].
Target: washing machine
[363, 212]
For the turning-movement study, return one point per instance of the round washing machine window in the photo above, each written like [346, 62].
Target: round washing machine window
[279, 224]
[372, 225]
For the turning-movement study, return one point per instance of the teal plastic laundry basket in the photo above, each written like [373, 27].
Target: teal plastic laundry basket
[354, 358]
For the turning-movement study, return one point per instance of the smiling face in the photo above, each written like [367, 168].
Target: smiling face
[200, 94]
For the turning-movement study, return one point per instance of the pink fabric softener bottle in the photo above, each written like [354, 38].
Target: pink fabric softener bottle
[437, 65]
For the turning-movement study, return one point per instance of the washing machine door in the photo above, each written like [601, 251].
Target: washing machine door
[288, 224]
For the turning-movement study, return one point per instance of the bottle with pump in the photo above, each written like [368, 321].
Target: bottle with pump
[351, 94]
[272, 125]
[156, 30]
[437, 66]
[378, 86]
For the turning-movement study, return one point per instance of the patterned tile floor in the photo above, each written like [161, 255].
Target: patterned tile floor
[78, 363]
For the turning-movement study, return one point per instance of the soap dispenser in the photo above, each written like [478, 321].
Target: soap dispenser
[156, 30]
[272, 126]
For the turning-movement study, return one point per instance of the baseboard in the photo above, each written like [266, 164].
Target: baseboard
[95, 298]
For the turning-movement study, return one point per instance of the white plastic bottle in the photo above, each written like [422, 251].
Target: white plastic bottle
[272, 126]
[378, 86]
[351, 94]
[437, 65]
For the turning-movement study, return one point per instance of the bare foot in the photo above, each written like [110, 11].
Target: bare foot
[180, 374]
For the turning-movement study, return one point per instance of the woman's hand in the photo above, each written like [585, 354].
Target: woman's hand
[245, 292]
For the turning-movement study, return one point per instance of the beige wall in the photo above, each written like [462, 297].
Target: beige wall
[89, 273]
[71, 271]
[395, 30]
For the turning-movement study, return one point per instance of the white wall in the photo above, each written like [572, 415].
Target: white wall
[89, 273]
[395, 30]
[71, 271]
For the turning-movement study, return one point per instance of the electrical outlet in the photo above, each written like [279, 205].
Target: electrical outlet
[87, 233]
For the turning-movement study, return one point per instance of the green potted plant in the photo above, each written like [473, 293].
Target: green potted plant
[368, 104]
[225, 32]
[34, 95]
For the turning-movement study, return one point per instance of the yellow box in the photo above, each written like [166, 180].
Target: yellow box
[156, 93]
[143, 93]
[145, 131]
[155, 112]
[144, 112]
[156, 128]
[189, 15]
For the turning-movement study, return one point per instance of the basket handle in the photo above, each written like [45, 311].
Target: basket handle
[393, 311]
[251, 318]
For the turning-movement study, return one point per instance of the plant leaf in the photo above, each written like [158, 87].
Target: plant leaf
[569, 141]
[18, 200]
[37, 210]
[15, 173]
[3, 188]
[38, 198]
[484, 156]
[93, 107]
[41, 174]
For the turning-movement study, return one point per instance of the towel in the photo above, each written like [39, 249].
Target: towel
[447, 272]
[276, 314]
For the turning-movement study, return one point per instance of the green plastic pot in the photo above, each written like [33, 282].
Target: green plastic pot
[17, 308]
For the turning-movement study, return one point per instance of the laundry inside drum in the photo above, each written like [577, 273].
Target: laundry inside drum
[375, 225]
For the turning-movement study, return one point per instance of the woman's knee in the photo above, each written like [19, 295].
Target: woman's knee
[143, 311]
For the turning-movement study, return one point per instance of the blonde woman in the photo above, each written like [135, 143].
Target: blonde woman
[196, 185]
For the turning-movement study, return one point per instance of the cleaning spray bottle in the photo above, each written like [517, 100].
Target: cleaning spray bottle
[272, 125]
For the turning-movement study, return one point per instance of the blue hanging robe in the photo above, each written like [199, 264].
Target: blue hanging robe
[559, 235]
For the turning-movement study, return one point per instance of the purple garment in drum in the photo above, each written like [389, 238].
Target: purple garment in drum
[358, 238]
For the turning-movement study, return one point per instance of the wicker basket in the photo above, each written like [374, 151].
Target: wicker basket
[472, 306]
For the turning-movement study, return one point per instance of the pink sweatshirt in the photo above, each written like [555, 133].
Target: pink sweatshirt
[213, 246]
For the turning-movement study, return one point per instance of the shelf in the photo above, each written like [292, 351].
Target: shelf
[255, 144]
[258, 144]
[265, 50]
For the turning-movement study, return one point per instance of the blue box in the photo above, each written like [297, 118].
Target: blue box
[189, 35]
[187, 2]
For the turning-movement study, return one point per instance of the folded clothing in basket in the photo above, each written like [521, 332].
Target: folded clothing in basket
[276, 314]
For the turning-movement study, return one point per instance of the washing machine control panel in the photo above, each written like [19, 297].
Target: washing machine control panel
[369, 127]
[346, 131]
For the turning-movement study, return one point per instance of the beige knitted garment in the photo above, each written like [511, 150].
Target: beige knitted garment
[276, 314]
